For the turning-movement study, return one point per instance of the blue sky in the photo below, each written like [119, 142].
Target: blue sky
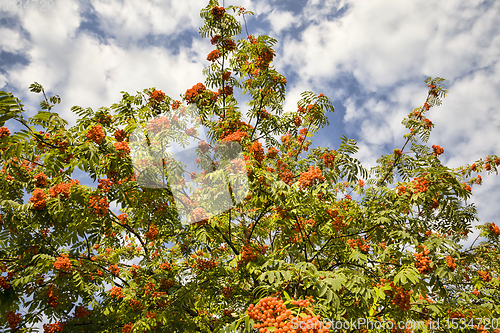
[369, 57]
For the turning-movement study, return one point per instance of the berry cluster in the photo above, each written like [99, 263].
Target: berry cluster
[194, 92]
[257, 151]
[272, 313]
[359, 243]
[493, 228]
[420, 184]
[190, 131]
[228, 90]
[199, 215]
[114, 269]
[272, 153]
[236, 136]
[397, 152]
[401, 298]
[176, 104]
[158, 124]
[41, 180]
[127, 328]
[96, 134]
[4, 131]
[166, 284]
[62, 263]
[297, 121]
[156, 97]
[53, 328]
[81, 312]
[329, 159]
[98, 206]
[13, 319]
[204, 264]
[484, 276]
[116, 292]
[151, 233]
[123, 148]
[213, 56]
[218, 12]
[226, 75]
[437, 150]
[248, 253]
[227, 291]
[105, 184]
[423, 263]
[450, 262]
[38, 199]
[311, 177]
[135, 305]
[62, 188]
[52, 296]
[120, 135]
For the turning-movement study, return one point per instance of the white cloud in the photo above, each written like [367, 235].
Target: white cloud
[12, 41]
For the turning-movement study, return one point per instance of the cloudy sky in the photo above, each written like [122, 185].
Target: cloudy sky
[369, 57]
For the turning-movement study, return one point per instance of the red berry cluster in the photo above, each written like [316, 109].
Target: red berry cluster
[190, 131]
[226, 75]
[420, 184]
[114, 269]
[151, 233]
[401, 298]
[204, 264]
[450, 262]
[437, 150]
[98, 206]
[127, 328]
[105, 184]
[484, 276]
[41, 180]
[199, 216]
[218, 12]
[423, 263]
[257, 151]
[53, 328]
[62, 263]
[297, 121]
[204, 146]
[96, 134]
[52, 296]
[193, 92]
[116, 292]
[272, 153]
[123, 148]
[213, 56]
[227, 291]
[120, 135]
[135, 305]
[329, 159]
[38, 199]
[311, 177]
[156, 97]
[176, 104]
[13, 319]
[158, 124]
[62, 188]
[4, 131]
[165, 284]
[397, 152]
[359, 243]
[81, 312]
[248, 253]
[493, 228]
[236, 136]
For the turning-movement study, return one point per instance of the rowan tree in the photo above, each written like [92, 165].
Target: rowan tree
[295, 247]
